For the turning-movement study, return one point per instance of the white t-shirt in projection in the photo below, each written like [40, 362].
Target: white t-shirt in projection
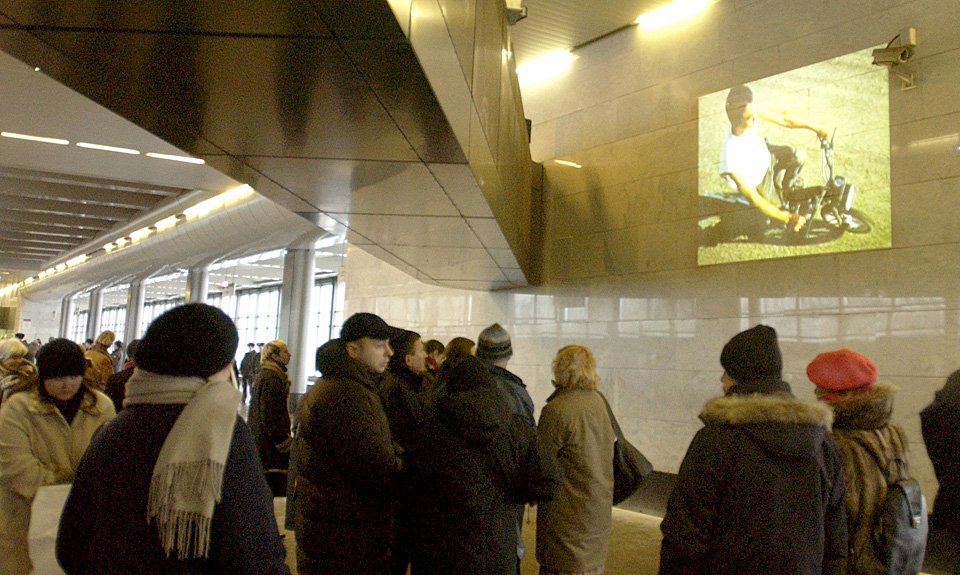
[746, 156]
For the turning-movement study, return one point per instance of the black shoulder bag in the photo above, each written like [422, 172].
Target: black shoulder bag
[630, 467]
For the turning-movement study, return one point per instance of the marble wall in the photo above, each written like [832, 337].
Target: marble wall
[621, 244]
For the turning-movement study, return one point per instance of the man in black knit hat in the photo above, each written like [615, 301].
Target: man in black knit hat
[760, 489]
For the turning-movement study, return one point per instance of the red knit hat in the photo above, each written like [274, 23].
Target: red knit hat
[841, 370]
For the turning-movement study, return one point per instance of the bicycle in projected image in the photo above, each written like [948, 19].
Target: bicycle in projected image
[827, 208]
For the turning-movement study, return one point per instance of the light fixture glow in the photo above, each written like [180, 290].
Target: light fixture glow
[34, 138]
[186, 159]
[51, 271]
[166, 223]
[566, 163]
[90, 146]
[121, 242]
[545, 67]
[28, 281]
[109, 247]
[42, 274]
[671, 13]
[227, 197]
[140, 234]
[61, 266]
[77, 260]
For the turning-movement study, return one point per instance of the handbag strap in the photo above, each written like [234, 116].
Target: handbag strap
[613, 420]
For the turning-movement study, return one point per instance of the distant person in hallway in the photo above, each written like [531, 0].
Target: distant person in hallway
[573, 529]
[457, 348]
[760, 490]
[745, 157]
[17, 372]
[45, 429]
[347, 468]
[467, 467]
[116, 388]
[174, 484]
[269, 416]
[248, 369]
[117, 356]
[99, 356]
[495, 348]
[847, 382]
[940, 423]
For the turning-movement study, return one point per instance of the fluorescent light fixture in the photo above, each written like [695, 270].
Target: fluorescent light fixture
[60, 267]
[108, 148]
[227, 197]
[42, 274]
[121, 242]
[34, 138]
[545, 67]
[109, 247]
[166, 223]
[671, 13]
[186, 159]
[28, 281]
[51, 271]
[77, 260]
[140, 234]
[566, 163]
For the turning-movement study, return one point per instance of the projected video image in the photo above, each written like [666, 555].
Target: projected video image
[796, 164]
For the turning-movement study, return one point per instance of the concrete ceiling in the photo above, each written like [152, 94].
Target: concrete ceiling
[366, 152]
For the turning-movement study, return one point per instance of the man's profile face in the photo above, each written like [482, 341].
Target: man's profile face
[373, 354]
[416, 360]
[747, 117]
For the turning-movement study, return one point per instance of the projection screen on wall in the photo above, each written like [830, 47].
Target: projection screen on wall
[765, 153]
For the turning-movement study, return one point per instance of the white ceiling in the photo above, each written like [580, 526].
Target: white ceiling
[85, 194]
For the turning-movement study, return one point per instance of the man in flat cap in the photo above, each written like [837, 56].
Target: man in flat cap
[346, 464]
[760, 489]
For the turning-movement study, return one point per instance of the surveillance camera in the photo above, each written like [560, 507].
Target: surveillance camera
[892, 56]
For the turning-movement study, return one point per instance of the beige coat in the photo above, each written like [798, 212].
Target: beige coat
[102, 364]
[572, 530]
[37, 447]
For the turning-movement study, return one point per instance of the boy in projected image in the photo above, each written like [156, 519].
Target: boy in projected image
[745, 158]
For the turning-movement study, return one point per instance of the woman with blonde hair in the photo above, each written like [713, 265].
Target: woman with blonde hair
[573, 529]
[45, 429]
[17, 373]
[99, 357]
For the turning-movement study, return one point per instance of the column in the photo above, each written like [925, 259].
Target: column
[94, 312]
[66, 316]
[198, 280]
[135, 296]
[296, 316]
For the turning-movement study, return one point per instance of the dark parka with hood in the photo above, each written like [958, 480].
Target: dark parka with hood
[467, 466]
[760, 489]
[347, 473]
[940, 423]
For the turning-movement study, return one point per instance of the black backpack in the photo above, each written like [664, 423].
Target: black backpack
[900, 526]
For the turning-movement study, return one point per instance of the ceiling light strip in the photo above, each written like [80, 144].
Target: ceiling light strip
[185, 159]
[90, 146]
[17, 136]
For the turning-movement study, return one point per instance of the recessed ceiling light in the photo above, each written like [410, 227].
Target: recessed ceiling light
[186, 159]
[566, 163]
[34, 138]
[108, 148]
[670, 13]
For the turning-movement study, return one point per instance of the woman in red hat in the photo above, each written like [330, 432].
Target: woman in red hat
[862, 430]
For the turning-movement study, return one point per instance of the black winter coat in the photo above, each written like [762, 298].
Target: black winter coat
[406, 398]
[104, 526]
[760, 491]
[348, 472]
[269, 418]
[467, 467]
[941, 433]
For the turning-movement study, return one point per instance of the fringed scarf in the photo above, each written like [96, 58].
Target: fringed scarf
[188, 477]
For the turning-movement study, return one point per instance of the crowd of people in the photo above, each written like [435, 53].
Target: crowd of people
[414, 455]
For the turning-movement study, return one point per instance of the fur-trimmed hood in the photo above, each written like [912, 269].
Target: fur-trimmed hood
[765, 418]
[870, 409]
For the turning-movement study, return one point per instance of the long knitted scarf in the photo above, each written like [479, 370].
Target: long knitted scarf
[188, 476]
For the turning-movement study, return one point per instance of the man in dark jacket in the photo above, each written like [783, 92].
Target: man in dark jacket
[760, 489]
[941, 435]
[467, 465]
[347, 467]
[248, 369]
[495, 349]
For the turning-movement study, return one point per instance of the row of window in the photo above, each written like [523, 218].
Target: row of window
[256, 312]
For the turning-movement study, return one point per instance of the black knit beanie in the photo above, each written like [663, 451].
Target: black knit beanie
[60, 358]
[753, 355]
[192, 340]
